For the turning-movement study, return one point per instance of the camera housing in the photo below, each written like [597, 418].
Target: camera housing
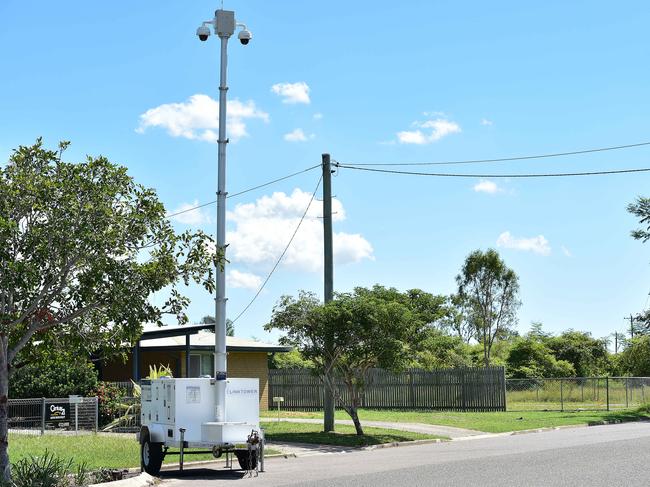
[203, 32]
[245, 36]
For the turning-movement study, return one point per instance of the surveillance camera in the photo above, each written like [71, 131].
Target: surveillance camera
[203, 32]
[245, 36]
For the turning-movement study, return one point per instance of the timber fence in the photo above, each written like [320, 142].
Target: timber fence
[460, 389]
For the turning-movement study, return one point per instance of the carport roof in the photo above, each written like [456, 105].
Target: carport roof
[174, 337]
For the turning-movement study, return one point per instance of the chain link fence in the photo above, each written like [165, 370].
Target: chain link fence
[579, 393]
[49, 415]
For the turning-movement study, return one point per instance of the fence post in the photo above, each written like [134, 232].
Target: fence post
[607, 390]
[462, 389]
[562, 395]
[627, 402]
[412, 388]
[42, 416]
[96, 414]
[504, 395]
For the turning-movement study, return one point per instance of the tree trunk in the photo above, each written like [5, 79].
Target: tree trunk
[486, 355]
[5, 467]
[352, 411]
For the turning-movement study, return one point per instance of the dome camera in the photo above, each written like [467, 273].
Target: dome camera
[203, 32]
[245, 36]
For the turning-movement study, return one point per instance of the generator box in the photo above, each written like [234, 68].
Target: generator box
[170, 404]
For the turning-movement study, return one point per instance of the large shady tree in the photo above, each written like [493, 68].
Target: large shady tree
[357, 331]
[82, 250]
[641, 209]
[489, 290]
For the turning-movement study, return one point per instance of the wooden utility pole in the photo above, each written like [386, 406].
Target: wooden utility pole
[328, 399]
[631, 318]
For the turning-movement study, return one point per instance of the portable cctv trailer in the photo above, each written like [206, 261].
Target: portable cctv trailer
[180, 413]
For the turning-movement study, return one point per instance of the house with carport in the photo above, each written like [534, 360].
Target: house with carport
[188, 351]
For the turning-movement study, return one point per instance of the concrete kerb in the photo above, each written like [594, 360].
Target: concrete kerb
[142, 480]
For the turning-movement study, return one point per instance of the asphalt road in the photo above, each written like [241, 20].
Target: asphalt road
[596, 456]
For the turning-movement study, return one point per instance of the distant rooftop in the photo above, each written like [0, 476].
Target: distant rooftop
[173, 337]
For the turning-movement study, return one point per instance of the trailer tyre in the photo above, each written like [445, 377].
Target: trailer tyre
[247, 460]
[151, 456]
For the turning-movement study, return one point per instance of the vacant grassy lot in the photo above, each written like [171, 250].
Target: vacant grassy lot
[344, 435]
[498, 422]
[96, 451]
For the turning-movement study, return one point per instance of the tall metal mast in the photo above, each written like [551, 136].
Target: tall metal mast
[224, 26]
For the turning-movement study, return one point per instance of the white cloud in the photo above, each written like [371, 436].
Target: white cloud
[298, 135]
[263, 228]
[486, 122]
[193, 217]
[244, 280]
[318, 116]
[292, 92]
[198, 118]
[485, 186]
[566, 251]
[428, 131]
[538, 245]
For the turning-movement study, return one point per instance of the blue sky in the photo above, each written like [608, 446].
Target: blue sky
[367, 82]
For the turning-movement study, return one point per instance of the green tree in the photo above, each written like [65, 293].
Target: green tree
[457, 318]
[490, 290]
[82, 249]
[289, 360]
[429, 308]
[635, 359]
[537, 333]
[439, 350]
[54, 375]
[531, 358]
[588, 355]
[641, 209]
[230, 326]
[367, 328]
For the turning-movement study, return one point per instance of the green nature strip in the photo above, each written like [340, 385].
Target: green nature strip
[344, 435]
[97, 451]
[497, 422]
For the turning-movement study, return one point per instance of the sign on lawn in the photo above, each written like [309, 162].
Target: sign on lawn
[57, 413]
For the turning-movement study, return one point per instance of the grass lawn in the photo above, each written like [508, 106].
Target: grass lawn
[344, 435]
[497, 422]
[96, 451]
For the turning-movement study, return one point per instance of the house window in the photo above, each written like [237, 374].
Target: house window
[201, 364]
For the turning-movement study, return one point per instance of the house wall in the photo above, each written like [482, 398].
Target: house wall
[253, 365]
[240, 364]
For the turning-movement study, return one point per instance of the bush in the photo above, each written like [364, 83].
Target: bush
[529, 358]
[110, 402]
[635, 359]
[54, 377]
[50, 470]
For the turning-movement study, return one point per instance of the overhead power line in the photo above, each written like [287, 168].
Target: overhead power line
[503, 159]
[492, 176]
[277, 263]
[239, 193]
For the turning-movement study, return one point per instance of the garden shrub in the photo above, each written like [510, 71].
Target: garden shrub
[54, 377]
[49, 470]
[110, 401]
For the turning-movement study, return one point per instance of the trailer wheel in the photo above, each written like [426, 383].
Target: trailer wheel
[247, 460]
[151, 456]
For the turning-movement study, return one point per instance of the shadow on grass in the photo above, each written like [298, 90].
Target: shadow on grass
[336, 439]
[641, 414]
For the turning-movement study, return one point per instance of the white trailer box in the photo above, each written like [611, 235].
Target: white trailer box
[169, 405]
